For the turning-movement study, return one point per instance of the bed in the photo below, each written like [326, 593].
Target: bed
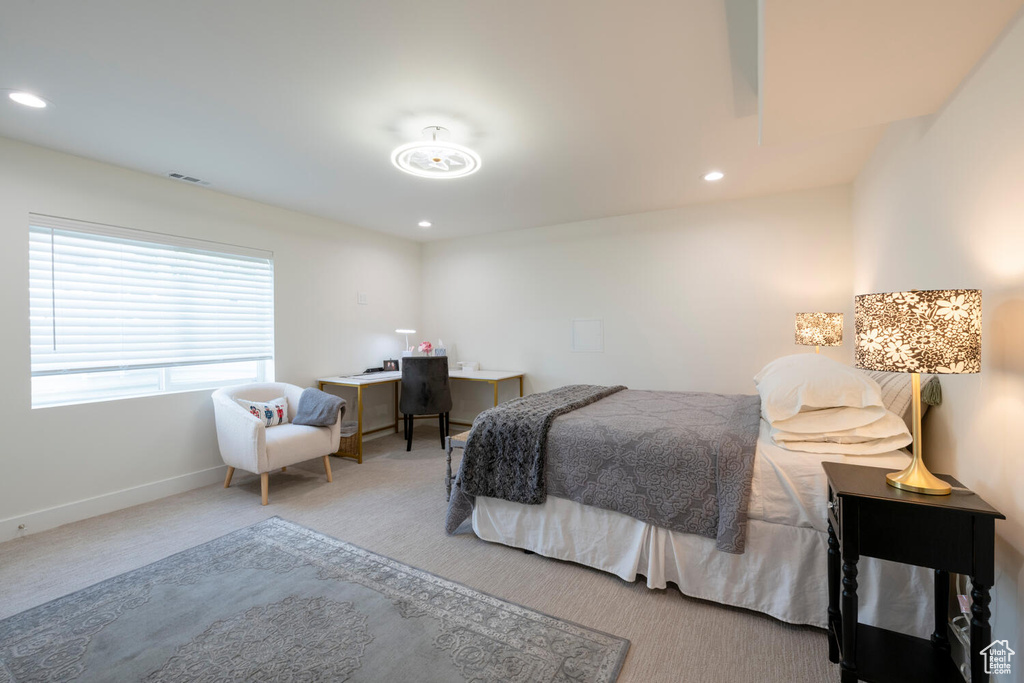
[781, 571]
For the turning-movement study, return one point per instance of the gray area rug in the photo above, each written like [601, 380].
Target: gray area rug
[279, 602]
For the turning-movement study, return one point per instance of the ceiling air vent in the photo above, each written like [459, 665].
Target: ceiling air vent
[187, 179]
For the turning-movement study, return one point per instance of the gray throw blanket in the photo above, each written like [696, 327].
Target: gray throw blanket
[318, 408]
[679, 460]
[504, 456]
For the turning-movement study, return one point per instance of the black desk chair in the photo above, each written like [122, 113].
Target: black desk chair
[425, 391]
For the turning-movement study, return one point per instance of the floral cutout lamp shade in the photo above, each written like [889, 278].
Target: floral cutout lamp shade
[932, 331]
[819, 329]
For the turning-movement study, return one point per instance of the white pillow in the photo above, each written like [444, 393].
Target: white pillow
[873, 447]
[829, 420]
[888, 426]
[809, 381]
[272, 412]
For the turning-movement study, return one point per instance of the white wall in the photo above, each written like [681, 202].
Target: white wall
[698, 298]
[64, 463]
[941, 205]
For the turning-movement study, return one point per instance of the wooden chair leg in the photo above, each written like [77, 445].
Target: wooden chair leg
[440, 427]
[327, 468]
[408, 434]
[264, 487]
[447, 424]
[227, 479]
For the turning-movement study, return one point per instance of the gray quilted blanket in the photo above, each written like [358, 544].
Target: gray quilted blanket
[504, 456]
[680, 460]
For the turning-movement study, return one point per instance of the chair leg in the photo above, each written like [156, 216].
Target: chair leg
[408, 434]
[440, 427]
[447, 424]
[227, 479]
[327, 468]
[405, 424]
[264, 487]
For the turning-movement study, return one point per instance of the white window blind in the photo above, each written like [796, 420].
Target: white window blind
[106, 299]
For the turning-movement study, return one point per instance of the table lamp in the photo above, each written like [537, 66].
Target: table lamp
[819, 329]
[406, 333]
[933, 331]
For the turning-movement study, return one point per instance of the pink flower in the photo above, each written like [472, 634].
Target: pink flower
[426, 347]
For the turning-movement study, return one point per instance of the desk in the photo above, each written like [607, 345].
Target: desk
[359, 382]
[494, 377]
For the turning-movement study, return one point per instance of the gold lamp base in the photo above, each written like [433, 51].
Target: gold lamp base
[916, 476]
[918, 479]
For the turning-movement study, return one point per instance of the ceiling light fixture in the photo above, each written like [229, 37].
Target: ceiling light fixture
[424, 224]
[28, 99]
[436, 157]
[713, 176]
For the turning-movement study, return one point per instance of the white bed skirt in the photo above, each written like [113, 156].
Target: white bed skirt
[782, 573]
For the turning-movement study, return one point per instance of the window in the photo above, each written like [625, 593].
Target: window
[117, 313]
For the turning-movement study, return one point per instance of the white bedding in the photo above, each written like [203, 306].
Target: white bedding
[789, 487]
[782, 572]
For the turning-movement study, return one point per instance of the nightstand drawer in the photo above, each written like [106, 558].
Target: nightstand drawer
[926, 537]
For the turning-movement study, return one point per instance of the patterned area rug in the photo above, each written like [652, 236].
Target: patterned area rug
[279, 602]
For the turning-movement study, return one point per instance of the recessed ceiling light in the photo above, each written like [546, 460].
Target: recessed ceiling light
[713, 176]
[436, 158]
[28, 99]
[424, 224]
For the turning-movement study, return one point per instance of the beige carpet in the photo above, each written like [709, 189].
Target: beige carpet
[394, 504]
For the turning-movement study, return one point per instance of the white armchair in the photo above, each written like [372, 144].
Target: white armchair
[246, 443]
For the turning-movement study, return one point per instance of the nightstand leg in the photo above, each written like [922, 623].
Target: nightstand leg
[981, 631]
[835, 624]
[848, 664]
[939, 636]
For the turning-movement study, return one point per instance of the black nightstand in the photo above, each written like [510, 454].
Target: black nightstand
[954, 533]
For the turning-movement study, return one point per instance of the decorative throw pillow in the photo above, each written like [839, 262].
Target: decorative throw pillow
[808, 381]
[272, 412]
[897, 394]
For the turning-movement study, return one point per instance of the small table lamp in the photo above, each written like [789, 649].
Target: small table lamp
[406, 333]
[819, 329]
[933, 331]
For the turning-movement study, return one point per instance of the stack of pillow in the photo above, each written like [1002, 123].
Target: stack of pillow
[817, 405]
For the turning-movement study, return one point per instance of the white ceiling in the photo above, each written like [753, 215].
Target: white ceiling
[832, 66]
[579, 108]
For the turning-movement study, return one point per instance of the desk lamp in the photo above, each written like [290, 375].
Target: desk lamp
[819, 329]
[932, 331]
[406, 333]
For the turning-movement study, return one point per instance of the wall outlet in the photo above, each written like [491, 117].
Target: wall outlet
[363, 298]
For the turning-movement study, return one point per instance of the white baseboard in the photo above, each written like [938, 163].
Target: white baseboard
[41, 520]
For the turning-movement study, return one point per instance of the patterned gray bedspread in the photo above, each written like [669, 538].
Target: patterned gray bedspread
[680, 460]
